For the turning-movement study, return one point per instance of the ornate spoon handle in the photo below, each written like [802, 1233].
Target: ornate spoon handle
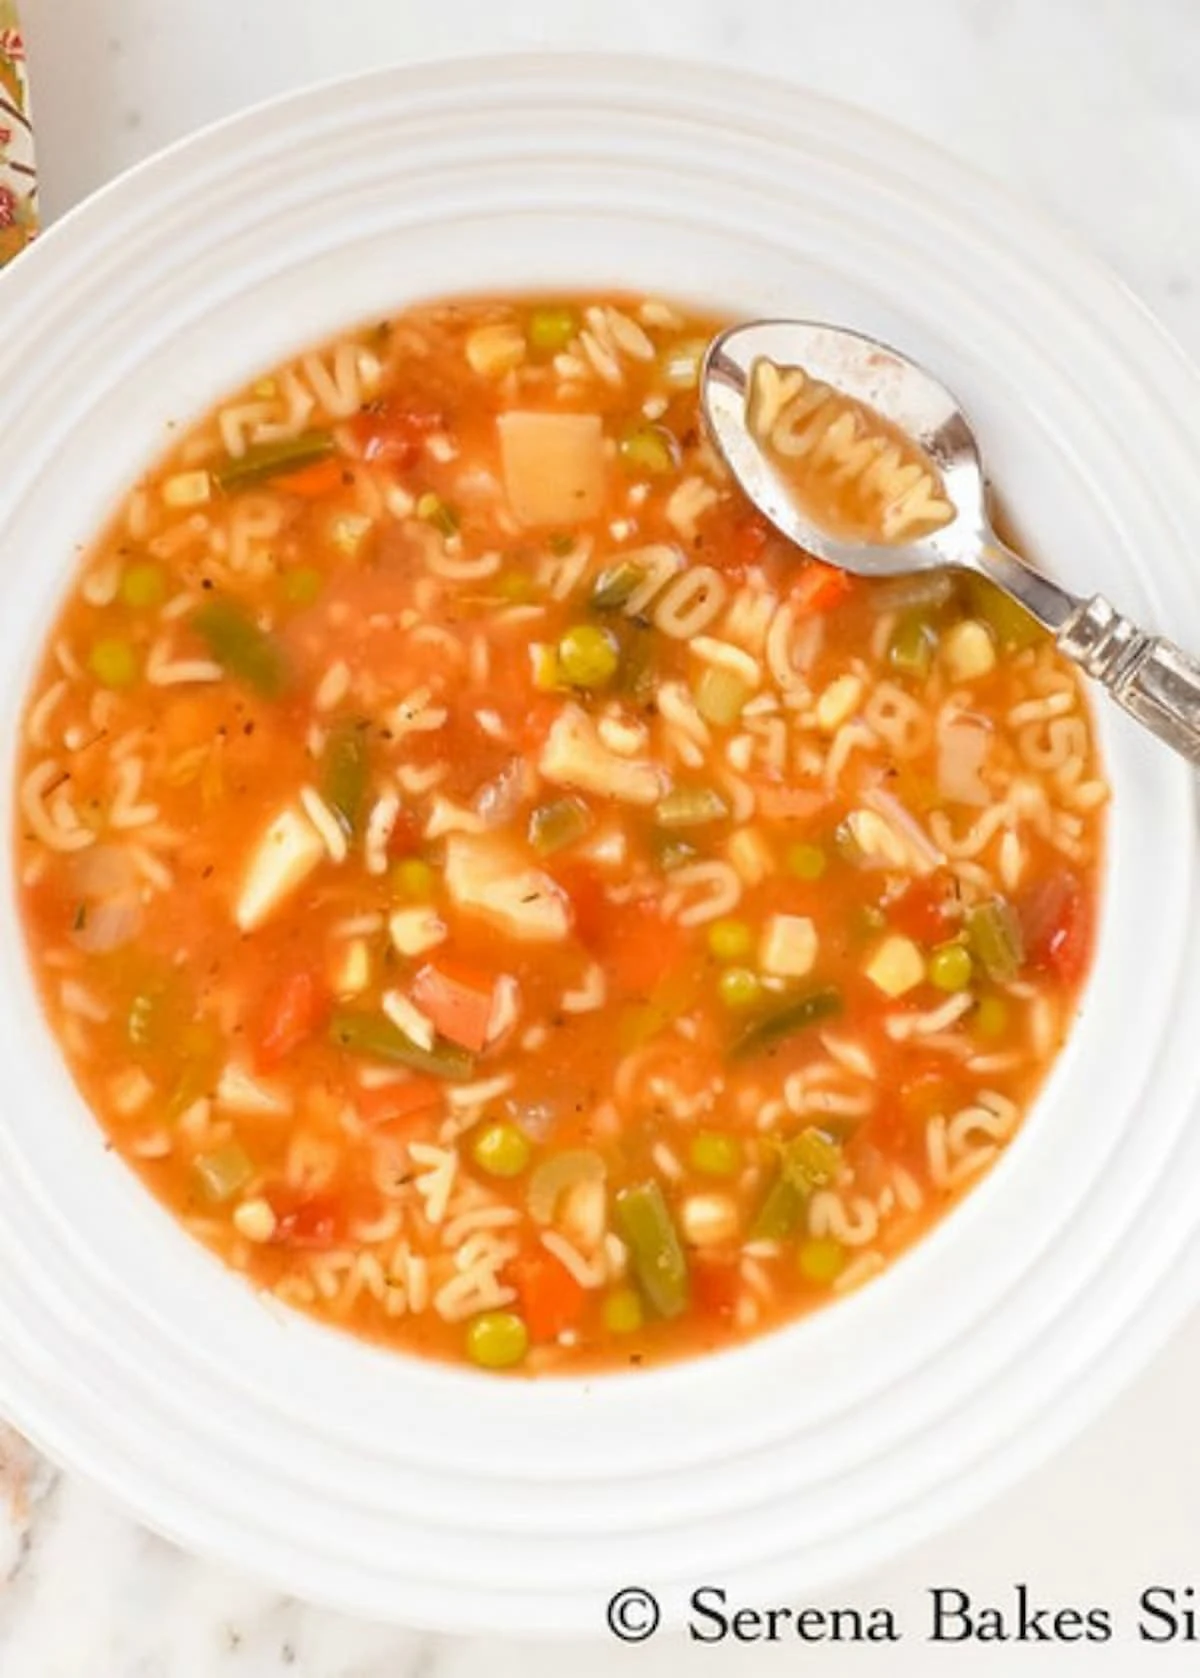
[1155, 681]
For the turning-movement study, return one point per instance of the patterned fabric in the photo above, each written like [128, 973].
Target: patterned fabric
[18, 179]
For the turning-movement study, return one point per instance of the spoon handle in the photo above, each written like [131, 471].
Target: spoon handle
[1152, 678]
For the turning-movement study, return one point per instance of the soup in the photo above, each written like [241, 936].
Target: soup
[506, 902]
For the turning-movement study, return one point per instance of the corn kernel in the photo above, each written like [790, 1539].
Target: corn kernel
[255, 1220]
[496, 350]
[968, 651]
[187, 489]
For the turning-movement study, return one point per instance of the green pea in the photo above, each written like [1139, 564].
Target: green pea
[648, 448]
[738, 987]
[501, 1149]
[991, 1017]
[806, 862]
[588, 656]
[413, 879]
[950, 967]
[301, 585]
[114, 663]
[730, 940]
[821, 1259]
[715, 1154]
[497, 1339]
[516, 586]
[552, 328]
[435, 511]
[623, 1312]
[144, 585]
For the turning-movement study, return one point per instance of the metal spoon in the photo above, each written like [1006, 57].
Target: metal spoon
[1152, 678]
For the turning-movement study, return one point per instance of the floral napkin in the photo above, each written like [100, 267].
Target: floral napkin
[18, 179]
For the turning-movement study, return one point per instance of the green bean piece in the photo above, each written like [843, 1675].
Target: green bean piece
[221, 1173]
[691, 807]
[720, 696]
[779, 1213]
[913, 645]
[497, 1339]
[240, 647]
[649, 448]
[554, 826]
[263, 461]
[994, 935]
[376, 1036]
[637, 677]
[301, 585]
[811, 1160]
[659, 1262]
[551, 328]
[438, 513]
[345, 768]
[615, 584]
[795, 1014]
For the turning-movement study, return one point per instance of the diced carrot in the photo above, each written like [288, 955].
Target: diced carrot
[405, 1100]
[313, 482]
[750, 539]
[1056, 920]
[296, 1010]
[819, 587]
[780, 802]
[458, 1000]
[715, 1288]
[395, 434]
[551, 1299]
[589, 906]
[640, 947]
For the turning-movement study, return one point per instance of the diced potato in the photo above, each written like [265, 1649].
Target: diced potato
[238, 1092]
[789, 946]
[285, 856]
[553, 466]
[708, 1220]
[352, 968]
[187, 489]
[573, 756]
[968, 650]
[495, 350]
[896, 966]
[490, 877]
[750, 855]
[839, 702]
[413, 931]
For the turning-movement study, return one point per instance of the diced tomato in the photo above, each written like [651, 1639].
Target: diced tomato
[1056, 920]
[715, 1287]
[406, 834]
[589, 906]
[307, 1221]
[458, 1000]
[407, 1100]
[551, 1299]
[395, 434]
[314, 482]
[297, 1010]
[923, 911]
[819, 588]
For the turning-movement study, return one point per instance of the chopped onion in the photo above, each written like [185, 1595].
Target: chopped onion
[962, 748]
[498, 800]
[110, 907]
[925, 854]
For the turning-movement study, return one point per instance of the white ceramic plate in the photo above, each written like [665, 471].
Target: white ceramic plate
[441, 1498]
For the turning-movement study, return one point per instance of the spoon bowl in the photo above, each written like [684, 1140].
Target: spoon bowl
[1149, 676]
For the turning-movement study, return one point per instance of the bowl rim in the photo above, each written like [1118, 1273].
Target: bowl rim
[704, 86]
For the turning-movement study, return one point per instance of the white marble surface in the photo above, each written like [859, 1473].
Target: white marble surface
[1091, 107]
